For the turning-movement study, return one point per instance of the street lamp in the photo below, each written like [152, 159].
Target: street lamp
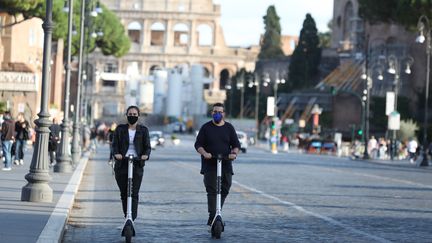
[424, 26]
[240, 85]
[256, 83]
[394, 67]
[37, 188]
[76, 150]
[368, 77]
[64, 160]
[274, 130]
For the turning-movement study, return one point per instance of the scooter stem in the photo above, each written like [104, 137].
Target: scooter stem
[218, 187]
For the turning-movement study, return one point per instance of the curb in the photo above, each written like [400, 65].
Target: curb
[54, 228]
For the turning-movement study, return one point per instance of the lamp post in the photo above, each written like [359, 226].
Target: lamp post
[424, 25]
[37, 188]
[368, 77]
[64, 160]
[240, 86]
[274, 130]
[257, 92]
[394, 67]
[76, 151]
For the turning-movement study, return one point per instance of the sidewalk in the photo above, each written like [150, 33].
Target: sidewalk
[31, 221]
[397, 162]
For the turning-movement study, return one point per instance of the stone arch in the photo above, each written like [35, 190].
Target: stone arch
[347, 25]
[157, 36]
[155, 67]
[181, 34]
[134, 31]
[225, 79]
[205, 35]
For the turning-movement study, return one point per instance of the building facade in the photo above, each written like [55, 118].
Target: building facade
[21, 54]
[166, 34]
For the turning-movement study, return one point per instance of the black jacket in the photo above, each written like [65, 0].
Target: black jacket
[120, 143]
[217, 140]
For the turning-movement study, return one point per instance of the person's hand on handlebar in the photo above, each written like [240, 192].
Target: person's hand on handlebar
[232, 156]
[144, 157]
[118, 156]
[207, 155]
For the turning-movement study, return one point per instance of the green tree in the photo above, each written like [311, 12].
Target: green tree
[404, 12]
[325, 37]
[113, 42]
[306, 58]
[271, 43]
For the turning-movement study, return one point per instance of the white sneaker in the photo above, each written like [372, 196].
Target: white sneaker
[7, 169]
[21, 162]
[16, 162]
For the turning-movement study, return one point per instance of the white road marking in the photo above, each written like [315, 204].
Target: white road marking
[295, 206]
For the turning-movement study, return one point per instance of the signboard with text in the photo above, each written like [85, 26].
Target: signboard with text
[18, 81]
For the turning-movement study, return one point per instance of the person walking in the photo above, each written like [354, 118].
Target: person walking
[54, 138]
[110, 137]
[216, 137]
[22, 135]
[7, 138]
[131, 138]
[412, 150]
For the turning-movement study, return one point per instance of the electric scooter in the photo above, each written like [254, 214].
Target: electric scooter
[128, 228]
[217, 225]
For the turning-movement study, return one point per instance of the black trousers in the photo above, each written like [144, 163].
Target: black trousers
[210, 185]
[121, 176]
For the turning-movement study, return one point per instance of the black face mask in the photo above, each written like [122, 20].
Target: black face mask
[132, 119]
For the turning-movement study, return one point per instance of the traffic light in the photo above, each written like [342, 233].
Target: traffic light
[333, 90]
[273, 125]
[360, 132]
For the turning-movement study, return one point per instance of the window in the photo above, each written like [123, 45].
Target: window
[110, 68]
[109, 83]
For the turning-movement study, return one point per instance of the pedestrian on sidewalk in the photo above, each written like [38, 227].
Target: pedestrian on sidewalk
[22, 135]
[412, 150]
[54, 139]
[110, 137]
[217, 137]
[7, 138]
[131, 138]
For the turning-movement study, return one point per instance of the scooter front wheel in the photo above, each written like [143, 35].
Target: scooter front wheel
[128, 234]
[217, 229]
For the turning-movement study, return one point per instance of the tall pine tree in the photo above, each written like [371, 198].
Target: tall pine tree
[303, 68]
[271, 43]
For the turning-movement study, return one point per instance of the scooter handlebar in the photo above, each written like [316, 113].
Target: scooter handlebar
[136, 160]
[221, 156]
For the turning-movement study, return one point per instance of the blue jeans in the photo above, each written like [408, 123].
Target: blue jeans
[20, 149]
[7, 149]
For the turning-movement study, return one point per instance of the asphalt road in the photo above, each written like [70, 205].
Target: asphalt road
[274, 198]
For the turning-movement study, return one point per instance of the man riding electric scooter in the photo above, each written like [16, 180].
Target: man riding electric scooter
[131, 139]
[217, 137]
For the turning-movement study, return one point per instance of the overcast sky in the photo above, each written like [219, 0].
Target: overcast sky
[242, 20]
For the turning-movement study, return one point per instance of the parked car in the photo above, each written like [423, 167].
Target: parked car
[242, 137]
[153, 142]
[158, 136]
[318, 146]
[177, 127]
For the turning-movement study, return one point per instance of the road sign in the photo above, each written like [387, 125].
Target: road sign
[270, 106]
[394, 121]
[390, 102]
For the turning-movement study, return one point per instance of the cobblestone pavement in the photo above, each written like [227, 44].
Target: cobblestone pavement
[274, 198]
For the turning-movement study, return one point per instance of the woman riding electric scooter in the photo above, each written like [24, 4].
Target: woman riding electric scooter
[131, 139]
